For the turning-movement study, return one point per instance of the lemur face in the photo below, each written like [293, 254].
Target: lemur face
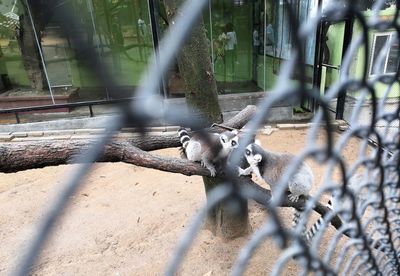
[252, 154]
[229, 139]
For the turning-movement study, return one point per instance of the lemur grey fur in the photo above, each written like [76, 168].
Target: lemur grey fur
[210, 150]
[270, 166]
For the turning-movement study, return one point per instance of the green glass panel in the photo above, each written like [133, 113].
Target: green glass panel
[229, 27]
[120, 33]
[11, 65]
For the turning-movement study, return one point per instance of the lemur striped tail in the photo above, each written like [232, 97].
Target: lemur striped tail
[314, 229]
[296, 220]
[309, 235]
[184, 138]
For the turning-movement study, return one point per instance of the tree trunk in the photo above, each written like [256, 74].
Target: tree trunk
[29, 50]
[201, 95]
[196, 70]
[223, 220]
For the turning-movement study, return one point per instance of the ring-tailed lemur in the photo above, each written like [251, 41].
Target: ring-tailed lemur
[211, 150]
[270, 166]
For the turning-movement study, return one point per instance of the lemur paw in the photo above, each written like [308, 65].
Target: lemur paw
[293, 198]
[213, 172]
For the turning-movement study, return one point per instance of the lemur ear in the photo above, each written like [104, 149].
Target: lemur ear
[257, 142]
[258, 158]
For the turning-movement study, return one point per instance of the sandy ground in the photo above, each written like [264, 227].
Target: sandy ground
[127, 220]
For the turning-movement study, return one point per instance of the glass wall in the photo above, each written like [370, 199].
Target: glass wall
[229, 29]
[248, 41]
[229, 26]
[120, 33]
[273, 37]
[118, 30]
[11, 65]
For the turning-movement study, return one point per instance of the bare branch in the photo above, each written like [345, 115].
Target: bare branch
[132, 155]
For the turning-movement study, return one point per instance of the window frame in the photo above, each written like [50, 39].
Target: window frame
[389, 34]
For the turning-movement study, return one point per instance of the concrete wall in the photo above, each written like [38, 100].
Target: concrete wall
[230, 104]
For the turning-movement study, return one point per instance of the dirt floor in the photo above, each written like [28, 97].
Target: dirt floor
[127, 220]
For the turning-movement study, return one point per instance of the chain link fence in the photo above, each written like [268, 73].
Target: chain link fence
[367, 193]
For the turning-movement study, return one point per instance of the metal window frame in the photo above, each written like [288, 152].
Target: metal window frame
[390, 35]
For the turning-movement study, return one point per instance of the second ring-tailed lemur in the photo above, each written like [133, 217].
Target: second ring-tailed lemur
[270, 166]
[210, 150]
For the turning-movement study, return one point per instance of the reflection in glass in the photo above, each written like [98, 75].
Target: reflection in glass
[393, 60]
[380, 42]
[11, 65]
[120, 33]
[385, 51]
[229, 27]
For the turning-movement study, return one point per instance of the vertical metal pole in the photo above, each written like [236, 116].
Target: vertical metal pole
[91, 110]
[318, 56]
[90, 7]
[89, 4]
[152, 7]
[40, 52]
[317, 59]
[211, 37]
[264, 44]
[348, 34]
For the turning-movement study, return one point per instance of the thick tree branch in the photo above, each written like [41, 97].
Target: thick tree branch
[17, 156]
[319, 207]
[132, 155]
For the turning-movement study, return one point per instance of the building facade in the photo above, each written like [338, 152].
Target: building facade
[248, 42]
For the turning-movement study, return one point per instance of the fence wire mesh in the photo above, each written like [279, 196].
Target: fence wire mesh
[368, 193]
